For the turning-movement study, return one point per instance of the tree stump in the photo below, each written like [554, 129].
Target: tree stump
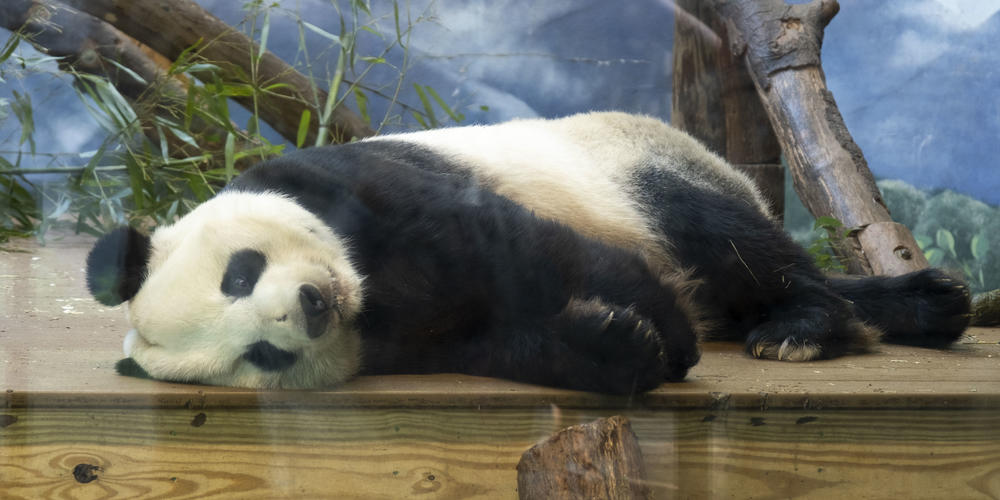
[600, 459]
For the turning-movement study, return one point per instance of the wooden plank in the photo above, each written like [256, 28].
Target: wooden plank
[58, 347]
[451, 453]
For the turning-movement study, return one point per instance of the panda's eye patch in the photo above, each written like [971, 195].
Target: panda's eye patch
[242, 272]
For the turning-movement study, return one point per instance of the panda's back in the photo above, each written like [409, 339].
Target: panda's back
[597, 172]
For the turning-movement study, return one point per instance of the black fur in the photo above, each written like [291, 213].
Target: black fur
[759, 284]
[129, 368]
[268, 357]
[459, 279]
[926, 308]
[242, 272]
[116, 266]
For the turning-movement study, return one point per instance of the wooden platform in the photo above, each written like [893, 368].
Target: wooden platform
[900, 423]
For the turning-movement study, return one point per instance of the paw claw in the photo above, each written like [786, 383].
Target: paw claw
[608, 320]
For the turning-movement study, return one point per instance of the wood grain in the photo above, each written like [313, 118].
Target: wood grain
[396, 453]
[714, 99]
[599, 459]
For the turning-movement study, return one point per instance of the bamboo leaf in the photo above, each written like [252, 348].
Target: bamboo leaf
[88, 170]
[182, 61]
[128, 71]
[455, 117]
[399, 32]
[265, 31]
[321, 32]
[363, 5]
[136, 180]
[230, 156]
[362, 101]
[9, 47]
[23, 110]
[202, 67]
[428, 109]
[331, 98]
[275, 86]
[300, 136]
[420, 119]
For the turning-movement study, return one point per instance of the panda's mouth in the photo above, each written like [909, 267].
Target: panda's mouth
[268, 357]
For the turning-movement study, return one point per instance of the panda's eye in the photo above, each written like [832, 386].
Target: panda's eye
[242, 273]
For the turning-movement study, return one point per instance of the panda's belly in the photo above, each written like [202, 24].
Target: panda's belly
[554, 177]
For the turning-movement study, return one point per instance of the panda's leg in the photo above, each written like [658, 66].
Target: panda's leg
[589, 345]
[809, 323]
[926, 308]
[756, 283]
[623, 284]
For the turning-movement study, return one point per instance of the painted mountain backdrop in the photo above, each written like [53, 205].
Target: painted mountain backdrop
[917, 83]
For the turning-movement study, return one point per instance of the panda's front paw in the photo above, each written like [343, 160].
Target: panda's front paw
[624, 345]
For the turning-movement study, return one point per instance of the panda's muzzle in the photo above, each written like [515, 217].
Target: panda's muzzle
[316, 310]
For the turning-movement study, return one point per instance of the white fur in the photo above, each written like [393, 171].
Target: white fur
[576, 170]
[187, 329]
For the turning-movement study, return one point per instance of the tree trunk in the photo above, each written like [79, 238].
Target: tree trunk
[172, 26]
[780, 44]
[596, 460]
[715, 101]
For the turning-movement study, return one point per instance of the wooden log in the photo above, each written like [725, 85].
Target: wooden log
[780, 45]
[714, 100]
[172, 26]
[600, 459]
[89, 45]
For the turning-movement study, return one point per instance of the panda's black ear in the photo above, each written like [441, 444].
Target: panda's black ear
[116, 266]
[129, 368]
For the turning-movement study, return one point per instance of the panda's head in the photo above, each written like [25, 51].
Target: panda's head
[247, 290]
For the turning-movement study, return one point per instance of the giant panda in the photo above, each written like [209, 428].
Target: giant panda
[590, 252]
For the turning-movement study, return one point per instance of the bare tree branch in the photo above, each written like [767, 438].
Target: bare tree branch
[780, 44]
[90, 45]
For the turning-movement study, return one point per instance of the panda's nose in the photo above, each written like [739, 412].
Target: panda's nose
[315, 308]
[312, 300]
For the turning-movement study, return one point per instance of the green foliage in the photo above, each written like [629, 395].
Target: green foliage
[942, 252]
[904, 201]
[959, 233]
[827, 231]
[18, 211]
[170, 150]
